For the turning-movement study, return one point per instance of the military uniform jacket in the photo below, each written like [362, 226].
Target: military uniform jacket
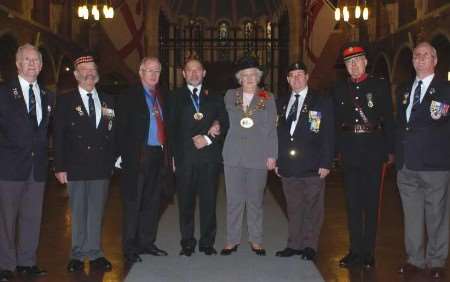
[373, 97]
[423, 143]
[81, 150]
[23, 145]
[251, 147]
[312, 144]
[183, 126]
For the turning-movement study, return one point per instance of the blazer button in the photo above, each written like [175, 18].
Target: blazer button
[88, 147]
[292, 139]
[408, 128]
[32, 154]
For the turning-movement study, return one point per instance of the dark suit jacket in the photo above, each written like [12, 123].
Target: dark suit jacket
[133, 119]
[84, 152]
[314, 150]
[183, 127]
[22, 145]
[423, 143]
[373, 95]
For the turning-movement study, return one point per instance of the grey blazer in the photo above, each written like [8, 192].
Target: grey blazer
[251, 147]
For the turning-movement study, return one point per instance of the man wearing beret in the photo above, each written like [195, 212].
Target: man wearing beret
[423, 164]
[305, 155]
[84, 155]
[25, 111]
[365, 140]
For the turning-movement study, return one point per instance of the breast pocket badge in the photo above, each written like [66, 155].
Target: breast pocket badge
[438, 110]
[314, 121]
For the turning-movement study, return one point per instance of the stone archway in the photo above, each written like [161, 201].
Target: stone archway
[47, 75]
[8, 48]
[403, 69]
[442, 45]
[381, 67]
[66, 80]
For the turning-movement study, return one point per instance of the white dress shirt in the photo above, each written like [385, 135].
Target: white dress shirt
[25, 86]
[98, 105]
[301, 99]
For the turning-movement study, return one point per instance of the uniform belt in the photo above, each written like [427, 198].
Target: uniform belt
[360, 128]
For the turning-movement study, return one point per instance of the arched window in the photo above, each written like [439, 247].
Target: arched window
[249, 30]
[224, 30]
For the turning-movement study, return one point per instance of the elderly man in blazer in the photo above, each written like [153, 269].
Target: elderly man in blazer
[197, 155]
[423, 163]
[305, 154]
[84, 158]
[142, 144]
[25, 111]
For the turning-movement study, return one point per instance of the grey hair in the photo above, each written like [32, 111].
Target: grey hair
[259, 74]
[427, 44]
[24, 47]
[146, 59]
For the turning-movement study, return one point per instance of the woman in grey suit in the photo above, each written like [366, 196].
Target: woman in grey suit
[250, 150]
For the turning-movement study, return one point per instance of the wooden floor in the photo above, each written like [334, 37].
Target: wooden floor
[55, 236]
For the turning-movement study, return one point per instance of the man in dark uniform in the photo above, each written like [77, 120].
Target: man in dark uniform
[365, 130]
[197, 155]
[423, 163]
[25, 110]
[142, 142]
[84, 159]
[305, 154]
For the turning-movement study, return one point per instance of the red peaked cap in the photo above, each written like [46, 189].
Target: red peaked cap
[353, 51]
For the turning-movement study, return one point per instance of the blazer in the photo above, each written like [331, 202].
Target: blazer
[84, 152]
[133, 119]
[23, 146]
[251, 147]
[183, 126]
[423, 142]
[312, 145]
[373, 96]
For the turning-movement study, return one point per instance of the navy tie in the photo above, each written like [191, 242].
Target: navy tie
[416, 99]
[292, 116]
[32, 105]
[92, 110]
[195, 96]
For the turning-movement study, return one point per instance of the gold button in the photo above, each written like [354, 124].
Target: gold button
[292, 153]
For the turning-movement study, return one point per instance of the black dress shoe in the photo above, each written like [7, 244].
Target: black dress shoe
[154, 251]
[259, 252]
[288, 252]
[30, 270]
[408, 268]
[6, 275]
[75, 265]
[369, 262]
[101, 264]
[132, 258]
[208, 250]
[351, 259]
[187, 251]
[308, 254]
[227, 252]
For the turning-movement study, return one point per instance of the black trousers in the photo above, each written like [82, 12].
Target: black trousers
[362, 186]
[192, 180]
[141, 215]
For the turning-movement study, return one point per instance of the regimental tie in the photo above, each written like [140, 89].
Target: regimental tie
[416, 99]
[32, 105]
[91, 110]
[195, 98]
[292, 116]
[160, 131]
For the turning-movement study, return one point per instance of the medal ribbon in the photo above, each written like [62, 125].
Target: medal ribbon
[195, 100]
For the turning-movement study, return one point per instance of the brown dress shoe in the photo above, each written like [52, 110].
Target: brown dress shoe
[408, 268]
[437, 272]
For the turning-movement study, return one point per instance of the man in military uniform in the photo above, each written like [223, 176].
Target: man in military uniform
[423, 163]
[84, 158]
[365, 129]
[305, 154]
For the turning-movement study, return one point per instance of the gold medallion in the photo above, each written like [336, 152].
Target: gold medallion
[198, 116]
[247, 122]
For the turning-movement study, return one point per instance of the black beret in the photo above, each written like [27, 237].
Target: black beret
[298, 65]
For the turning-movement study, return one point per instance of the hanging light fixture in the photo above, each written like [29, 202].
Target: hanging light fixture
[357, 11]
[337, 14]
[83, 11]
[366, 13]
[344, 13]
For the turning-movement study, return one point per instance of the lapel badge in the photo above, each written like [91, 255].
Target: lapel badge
[405, 98]
[49, 108]
[79, 110]
[15, 93]
[432, 91]
[305, 108]
[369, 97]
[110, 123]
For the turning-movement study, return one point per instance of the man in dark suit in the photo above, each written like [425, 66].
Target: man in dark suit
[84, 158]
[25, 110]
[365, 140]
[423, 163]
[197, 155]
[305, 154]
[142, 144]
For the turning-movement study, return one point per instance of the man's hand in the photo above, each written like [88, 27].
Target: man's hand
[61, 176]
[173, 164]
[323, 172]
[276, 172]
[214, 130]
[199, 141]
[271, 163]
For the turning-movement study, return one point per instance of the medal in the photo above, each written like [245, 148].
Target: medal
[247, 122]
[435, 110]
[198, 116]
[369, 100]
[110, 125]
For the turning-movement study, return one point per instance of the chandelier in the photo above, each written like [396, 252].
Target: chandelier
[95, 6]
[358, 12]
